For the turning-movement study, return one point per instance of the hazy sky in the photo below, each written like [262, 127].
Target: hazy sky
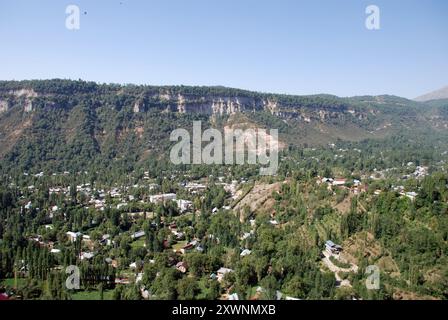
[297, 47]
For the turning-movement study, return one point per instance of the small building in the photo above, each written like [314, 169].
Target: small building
[189, 246]
[222, 272]
[179, 236]
[122, 205]
[139, 277]
[122, 280]
[160, 198]
[105, 240]
[233, 296]
[86, 255]
[246, 235]
[3, 297]
[332, 248]
[411, 195]
[73, 236]
[137, 235]
[184, 205]
[182, 266]
[339, 182]
[194, 188]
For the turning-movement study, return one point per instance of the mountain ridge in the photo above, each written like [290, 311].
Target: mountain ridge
[63, 122]
[439, 94]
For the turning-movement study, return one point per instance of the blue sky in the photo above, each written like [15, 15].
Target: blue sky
[282, 46]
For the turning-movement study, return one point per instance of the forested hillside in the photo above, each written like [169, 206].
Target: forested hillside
[61, 124]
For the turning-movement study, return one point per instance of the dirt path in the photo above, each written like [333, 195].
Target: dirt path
[335, 269]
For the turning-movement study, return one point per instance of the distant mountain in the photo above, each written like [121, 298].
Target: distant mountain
[74, 124]
[435, 95]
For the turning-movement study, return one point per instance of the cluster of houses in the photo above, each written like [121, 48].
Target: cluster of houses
[44, 244]
[190, 246]
[356, 187]
[420, 172]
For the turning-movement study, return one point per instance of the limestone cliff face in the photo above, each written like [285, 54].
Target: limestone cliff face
[228, 105]
[208, 101]
[212, 102]
[25, 98]
[3, 106]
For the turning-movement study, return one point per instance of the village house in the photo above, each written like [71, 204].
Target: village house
[111, 262]
[105, 240]
[121, 205]
[189, 246]
[139, 277]
[160, 198]
[326, 180]
[122, 280]
[332, 248]
[137, 235]
[115, 193]
[173, 227]
[182, 266]
[233, 296]
[246, 235]
[86, 255]
[73, 236]
[194, 188]
[411, 195]
[358, 189]
[153, 186]
[88, 242]
[184, 205]
[222, 272]
[339, 182]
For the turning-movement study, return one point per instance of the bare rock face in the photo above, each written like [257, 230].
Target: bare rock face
[3, 106]
[181, 104]
[28, 106]
[228, 105]
[137, 107]
[209, 103]
[29, 95]
[270, 105]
